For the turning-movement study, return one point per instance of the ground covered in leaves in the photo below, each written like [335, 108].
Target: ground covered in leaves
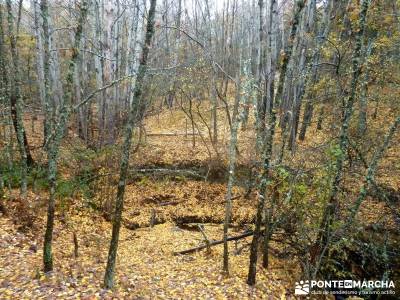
[146, 269]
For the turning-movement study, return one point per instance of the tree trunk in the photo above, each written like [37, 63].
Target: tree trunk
[213, 92]
[369, 178]
[331, 208]
[232, 163]
[57, 132]
[272, 56]
[304, 44]
[171, 91]
[312, 69]
[39, 51]
[362, 117]
[267, 152]
[134, 116]
[261, 101]
[16, 101]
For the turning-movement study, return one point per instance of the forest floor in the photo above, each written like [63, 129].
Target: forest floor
[146, 265]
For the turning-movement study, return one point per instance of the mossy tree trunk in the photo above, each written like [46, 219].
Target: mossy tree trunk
[332, 206]
[57, 131]
[362, 117]
[369, 177]
[16, 103]
[267, 147]
[134, 116]
[312, 68]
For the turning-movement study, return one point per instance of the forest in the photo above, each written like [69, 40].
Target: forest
[199, 149]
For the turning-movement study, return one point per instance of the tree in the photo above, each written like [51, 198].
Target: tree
[369, 177]
[332, 206]
[213, 84]
[312, 68]
[57, 129]
[16, 98]
[267, 147]
[135, 114]
[39, 51]
[362, 116]
[237, 116]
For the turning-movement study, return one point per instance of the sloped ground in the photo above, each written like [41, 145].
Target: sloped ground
[146, 267]
[180, 202]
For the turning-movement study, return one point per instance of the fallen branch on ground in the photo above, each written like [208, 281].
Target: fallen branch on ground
[194, 219]
[170, 203]
[188, 173]
[206, 240]
[172, 134]
[154, 220]
[233, 238]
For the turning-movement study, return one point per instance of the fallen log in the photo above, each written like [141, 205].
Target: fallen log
[171, 134]
[233, 238]
[170, 203]
[154, 220]
[158, 198]
[189, 226]
[384, 193]
[163, 171]
[195, 219]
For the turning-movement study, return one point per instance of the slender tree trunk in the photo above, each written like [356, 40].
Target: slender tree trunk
[135, 114]
[4, 99]
[308, 114]
[99, 67]
[16, 102]
[213, 92]
[232, 163]
[116, 70]
[267, 149]
[362, 117]
[39, 51]
[171, 92]
[107, 108]
[321, 117]
[332, 206]
[48, 131]
[47, 102]
[268, 228]
[369, 178]
[272, 56]
[77, 79]
[57, 133]
[55, 74]
[312, 69]
[132, 52]
[5, 90]
[261, 103]
[304, 45]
